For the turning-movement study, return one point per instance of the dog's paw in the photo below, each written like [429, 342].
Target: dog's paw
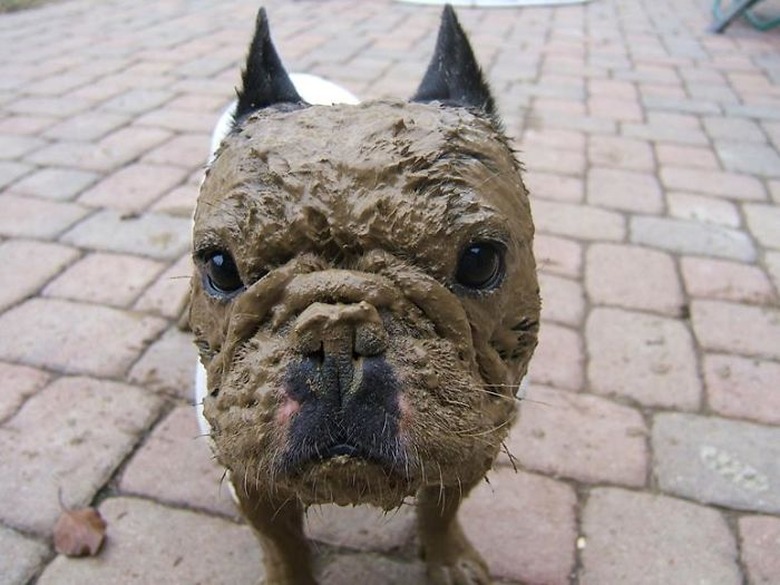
[454, 561]
[464, 570]
[285, 581]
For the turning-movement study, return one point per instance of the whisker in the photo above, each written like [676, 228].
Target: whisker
[486, 432]
[503, 396]
[512, 459]
[539, 402]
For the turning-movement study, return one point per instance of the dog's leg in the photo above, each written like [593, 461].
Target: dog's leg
[278, 525]
[451, 558]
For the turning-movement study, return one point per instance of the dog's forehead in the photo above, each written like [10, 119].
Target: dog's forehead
[363, 144]
[427, 166]
[363, 135]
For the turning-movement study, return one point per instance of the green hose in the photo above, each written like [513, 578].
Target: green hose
[758, 22]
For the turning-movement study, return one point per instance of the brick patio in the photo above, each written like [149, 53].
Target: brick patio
[649, 447]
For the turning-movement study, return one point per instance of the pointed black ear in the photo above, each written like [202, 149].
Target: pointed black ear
[453, 75]
[265, 82]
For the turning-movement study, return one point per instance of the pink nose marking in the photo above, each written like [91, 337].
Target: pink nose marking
[406, 413]
[287, 410]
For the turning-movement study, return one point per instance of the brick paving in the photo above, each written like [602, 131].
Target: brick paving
[647, 451]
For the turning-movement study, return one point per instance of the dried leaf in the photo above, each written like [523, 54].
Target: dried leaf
[79, 532]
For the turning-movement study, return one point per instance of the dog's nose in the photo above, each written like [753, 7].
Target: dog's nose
[333, 323]
[345, 386]
[340, 331]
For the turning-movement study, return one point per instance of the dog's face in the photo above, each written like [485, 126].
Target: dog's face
[365, 298]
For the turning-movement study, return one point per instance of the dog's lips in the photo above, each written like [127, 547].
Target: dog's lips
[339, 450]
[347, 450]
[343, 451]
[348, 472]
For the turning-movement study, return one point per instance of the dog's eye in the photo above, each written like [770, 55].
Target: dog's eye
[221, 274]
[481, 266]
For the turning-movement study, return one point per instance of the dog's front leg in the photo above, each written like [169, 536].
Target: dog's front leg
[278, 523]
[451, 559]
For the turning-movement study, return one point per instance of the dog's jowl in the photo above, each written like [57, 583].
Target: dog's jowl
[365, 303]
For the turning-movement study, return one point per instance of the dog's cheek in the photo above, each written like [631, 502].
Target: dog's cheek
[247, 442]
[449, 424]
[208, 320]
[506, 324]
[250, 414]
[516, 336]
[503, 345]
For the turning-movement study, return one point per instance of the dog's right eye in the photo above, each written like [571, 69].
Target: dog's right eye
[221, 274]
[481, 266]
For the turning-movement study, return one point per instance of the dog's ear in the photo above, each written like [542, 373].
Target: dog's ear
[453, 75]
[264, 80]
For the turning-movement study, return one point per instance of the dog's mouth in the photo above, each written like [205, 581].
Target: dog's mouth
[340, 450]
[347, 451]
[383, 454]
[348, 473]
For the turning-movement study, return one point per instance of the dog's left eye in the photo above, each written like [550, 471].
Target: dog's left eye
[221, 274]
[481, 266]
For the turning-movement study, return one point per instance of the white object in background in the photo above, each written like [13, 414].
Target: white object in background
[494, 3]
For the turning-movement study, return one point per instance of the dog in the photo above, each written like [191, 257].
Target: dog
[364, 302]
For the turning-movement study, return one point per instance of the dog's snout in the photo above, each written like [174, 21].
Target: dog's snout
[345, 386]
[338, 330]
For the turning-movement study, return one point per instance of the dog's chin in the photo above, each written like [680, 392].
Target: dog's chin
[349, 480]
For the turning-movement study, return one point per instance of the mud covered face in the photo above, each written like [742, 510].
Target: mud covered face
[365, 299]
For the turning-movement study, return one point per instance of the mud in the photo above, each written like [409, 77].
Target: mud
[369, 206]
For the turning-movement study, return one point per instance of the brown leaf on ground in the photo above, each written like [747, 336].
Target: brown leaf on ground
[79, 533]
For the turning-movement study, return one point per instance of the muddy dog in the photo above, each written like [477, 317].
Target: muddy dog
[365, 303]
